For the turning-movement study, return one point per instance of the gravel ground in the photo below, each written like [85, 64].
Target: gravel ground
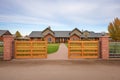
[36, 69]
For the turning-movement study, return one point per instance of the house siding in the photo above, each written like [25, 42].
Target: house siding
[49, 36]
[74, 37]
[75, 32]
[47, 32]
[63, 36]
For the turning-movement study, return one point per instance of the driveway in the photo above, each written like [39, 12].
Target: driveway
[59, 70]
[61, 54]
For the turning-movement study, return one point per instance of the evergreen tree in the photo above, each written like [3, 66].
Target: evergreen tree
[17, 34]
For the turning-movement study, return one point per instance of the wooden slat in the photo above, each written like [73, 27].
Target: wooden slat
[36, 47]
[87, 49]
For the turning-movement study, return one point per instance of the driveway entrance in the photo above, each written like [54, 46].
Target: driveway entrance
[61, 54]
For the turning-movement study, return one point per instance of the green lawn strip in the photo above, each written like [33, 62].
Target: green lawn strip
[52, 48]
[115, 48]
[66, 44]
[1, 50]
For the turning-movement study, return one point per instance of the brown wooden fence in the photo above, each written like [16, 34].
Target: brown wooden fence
[83, 49]
[30, 49]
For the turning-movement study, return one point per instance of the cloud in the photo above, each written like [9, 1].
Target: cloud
[28, 20]
[59, 12]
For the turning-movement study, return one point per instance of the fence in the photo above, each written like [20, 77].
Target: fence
[83, 49]
[1, 48]
[114, 49]
[30, 49]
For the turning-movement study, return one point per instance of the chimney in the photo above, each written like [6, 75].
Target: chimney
[49, 27]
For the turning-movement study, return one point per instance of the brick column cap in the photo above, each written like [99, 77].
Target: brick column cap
[104, 36]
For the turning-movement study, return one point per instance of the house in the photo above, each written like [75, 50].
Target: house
[63, 36]
[4, 32]
[23, 38]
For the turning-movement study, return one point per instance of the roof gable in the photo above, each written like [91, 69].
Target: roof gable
[4, 32]
[47, 31]
[75, 31]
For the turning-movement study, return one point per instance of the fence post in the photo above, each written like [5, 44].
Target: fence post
[8, 48]
[104, 47]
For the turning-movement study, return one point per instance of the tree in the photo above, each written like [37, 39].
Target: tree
[17, 34]
[114, 29]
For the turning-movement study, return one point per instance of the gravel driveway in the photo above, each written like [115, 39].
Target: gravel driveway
[34, 69]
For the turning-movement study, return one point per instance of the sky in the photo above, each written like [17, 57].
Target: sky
[36, 15]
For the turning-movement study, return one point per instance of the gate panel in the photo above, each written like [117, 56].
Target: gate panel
[30, 49]
[39, 49]
[83, 49]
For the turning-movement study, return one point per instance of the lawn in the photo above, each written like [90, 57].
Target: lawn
[66, 44]
[1, 50]
[52, 48]
[114, 47]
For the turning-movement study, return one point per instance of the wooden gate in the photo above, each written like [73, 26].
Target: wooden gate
[30, 49]
[83, 49]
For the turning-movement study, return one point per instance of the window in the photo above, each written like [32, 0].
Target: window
[49, 39]
[74, 39]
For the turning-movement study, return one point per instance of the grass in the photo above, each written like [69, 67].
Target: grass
[66, 44]
[114, 47]
[52, 48]
[1, 50]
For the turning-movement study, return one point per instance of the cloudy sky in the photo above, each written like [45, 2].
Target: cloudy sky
[36, 15]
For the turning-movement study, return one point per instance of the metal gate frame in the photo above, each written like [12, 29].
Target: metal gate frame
[114, 49]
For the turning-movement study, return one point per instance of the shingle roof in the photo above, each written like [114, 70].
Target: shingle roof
[2, 32]
[75, 29]
[62, 33]
[48, 28]
[92, 35]
[36, 34]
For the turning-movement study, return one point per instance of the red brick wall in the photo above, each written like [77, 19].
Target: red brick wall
[49, 36]
[8, 47]
[104, 47]
[74, 37]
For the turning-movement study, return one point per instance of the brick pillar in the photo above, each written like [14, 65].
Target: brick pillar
[8, 48]
[104, 47]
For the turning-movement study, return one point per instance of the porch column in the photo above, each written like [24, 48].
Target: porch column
[8, 48]
[104, 49]
[60, 40]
